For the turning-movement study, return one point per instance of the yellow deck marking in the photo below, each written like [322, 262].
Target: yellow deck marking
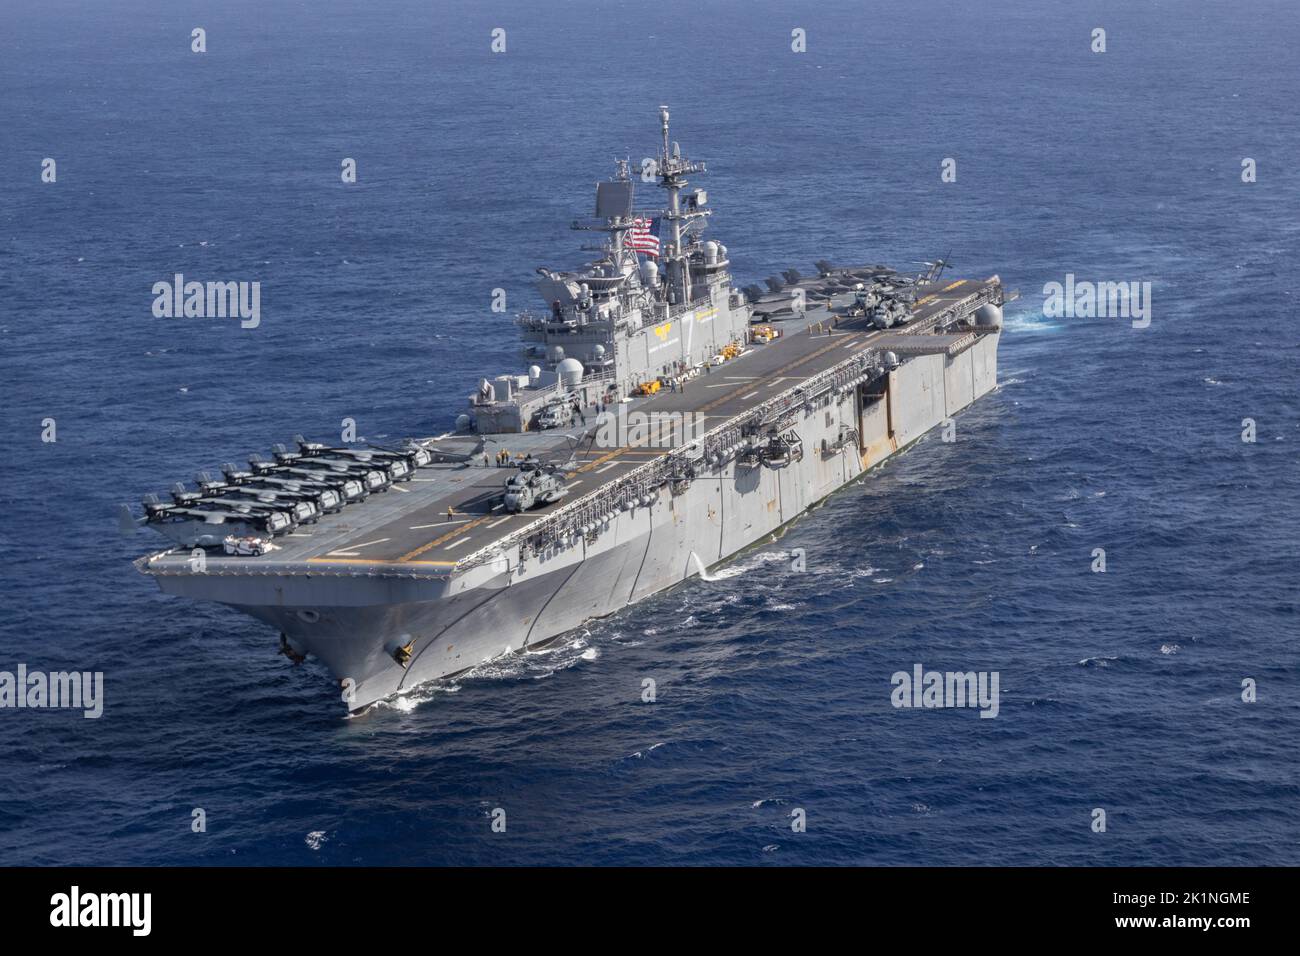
[601, 460]
[441, 538]
[765, 381]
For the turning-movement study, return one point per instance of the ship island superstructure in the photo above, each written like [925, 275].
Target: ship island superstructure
[665, 420]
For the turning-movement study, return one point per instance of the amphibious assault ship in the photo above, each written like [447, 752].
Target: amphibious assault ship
[666, 420]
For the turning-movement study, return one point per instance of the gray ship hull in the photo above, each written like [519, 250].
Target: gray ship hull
[383, 635]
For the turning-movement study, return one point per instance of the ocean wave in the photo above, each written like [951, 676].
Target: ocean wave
[1097, 661]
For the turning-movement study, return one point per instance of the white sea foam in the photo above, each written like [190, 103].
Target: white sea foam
[1097, 661]
[1029, 322]
[420, 694]
[534, 664]
[752, 563]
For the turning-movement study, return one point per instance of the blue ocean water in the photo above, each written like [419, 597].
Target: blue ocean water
[1119, 690]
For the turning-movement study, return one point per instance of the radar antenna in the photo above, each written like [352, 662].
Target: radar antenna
[673, 170]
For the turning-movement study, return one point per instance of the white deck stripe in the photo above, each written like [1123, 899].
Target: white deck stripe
[354, 547]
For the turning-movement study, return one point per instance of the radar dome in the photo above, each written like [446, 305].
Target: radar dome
[570, 371]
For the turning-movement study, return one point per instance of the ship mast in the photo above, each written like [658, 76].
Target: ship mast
[672, 172]
[622, 225]
[615, 221]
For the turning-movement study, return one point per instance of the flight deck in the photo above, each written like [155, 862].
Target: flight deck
[429, 525]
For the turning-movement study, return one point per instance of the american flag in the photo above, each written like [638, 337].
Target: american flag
[644, 236]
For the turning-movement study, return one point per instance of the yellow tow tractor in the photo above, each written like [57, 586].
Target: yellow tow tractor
[764, 333]
[647, 388]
